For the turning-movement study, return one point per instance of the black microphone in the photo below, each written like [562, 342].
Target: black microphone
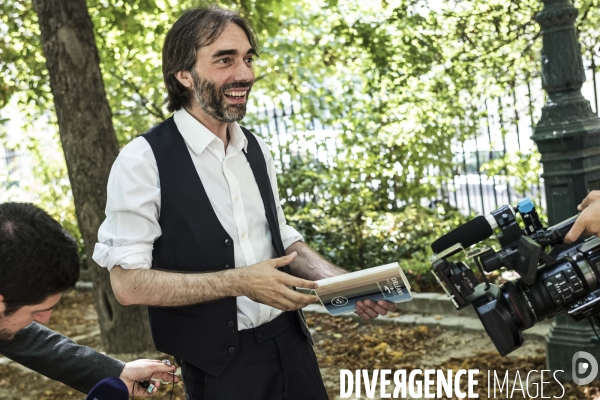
[468, 234]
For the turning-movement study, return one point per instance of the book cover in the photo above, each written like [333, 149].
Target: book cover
[340, 293]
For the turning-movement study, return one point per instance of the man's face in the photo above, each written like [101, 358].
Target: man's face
[223, 75]
[10, 325]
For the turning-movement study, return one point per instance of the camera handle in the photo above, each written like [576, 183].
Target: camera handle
[523, 259]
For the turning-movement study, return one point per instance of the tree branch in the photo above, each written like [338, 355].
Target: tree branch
[147, 104]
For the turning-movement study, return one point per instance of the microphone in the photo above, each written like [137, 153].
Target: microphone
[109, 389]
[474, 231]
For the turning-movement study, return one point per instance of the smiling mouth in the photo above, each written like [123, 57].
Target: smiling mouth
[236, 94]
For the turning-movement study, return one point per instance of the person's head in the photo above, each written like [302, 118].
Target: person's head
[207, 63]
[38, 262]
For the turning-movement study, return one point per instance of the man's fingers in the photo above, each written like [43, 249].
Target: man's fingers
[576, 230]
[362, 314]
[290, 300]
[388, 305]
[165, 376]
[290, 280]
[590, 198]
[369, 309]
[303, 299]
[283, 261]
[143, 392]
[369, 304]
[285, 304]
[156, 386]
[162, 367]
[370, 312]
[300, 300]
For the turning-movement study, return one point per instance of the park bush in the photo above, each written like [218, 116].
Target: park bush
[358, 240]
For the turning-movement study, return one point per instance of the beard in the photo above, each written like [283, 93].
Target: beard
[211, 99]
[5, 334]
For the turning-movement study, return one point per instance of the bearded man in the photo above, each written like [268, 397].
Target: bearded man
[194, 229]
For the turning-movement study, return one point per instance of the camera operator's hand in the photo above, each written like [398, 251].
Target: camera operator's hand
[370, 309]
[588, 222]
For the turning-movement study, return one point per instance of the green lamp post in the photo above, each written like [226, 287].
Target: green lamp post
[568, 139]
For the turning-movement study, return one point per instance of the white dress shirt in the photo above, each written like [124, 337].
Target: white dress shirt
[127, 236]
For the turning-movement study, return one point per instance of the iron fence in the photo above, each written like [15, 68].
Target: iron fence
[504, 131]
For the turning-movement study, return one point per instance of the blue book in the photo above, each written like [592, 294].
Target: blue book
[340, 293]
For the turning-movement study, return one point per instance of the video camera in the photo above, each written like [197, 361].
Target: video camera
[555, 277]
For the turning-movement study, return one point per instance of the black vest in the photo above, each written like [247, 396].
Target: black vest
[193, 240]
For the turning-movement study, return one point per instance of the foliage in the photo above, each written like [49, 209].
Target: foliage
[395, 83]
[46, 185]
[355, 240]
[526, 166]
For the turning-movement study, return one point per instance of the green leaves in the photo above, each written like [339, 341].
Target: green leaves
[398, 83]
[394, 84]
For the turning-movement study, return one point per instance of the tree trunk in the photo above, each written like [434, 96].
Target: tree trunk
[90, 147]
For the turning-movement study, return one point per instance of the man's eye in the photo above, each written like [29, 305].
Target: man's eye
[224, 60]
[249, 59]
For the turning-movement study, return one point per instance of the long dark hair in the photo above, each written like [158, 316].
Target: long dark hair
[196, 28]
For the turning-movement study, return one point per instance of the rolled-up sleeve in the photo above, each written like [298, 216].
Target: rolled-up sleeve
[127, 235]
[289, 235]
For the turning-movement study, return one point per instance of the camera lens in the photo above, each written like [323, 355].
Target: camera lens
[555, 286]
[508, 310]
[517, 299]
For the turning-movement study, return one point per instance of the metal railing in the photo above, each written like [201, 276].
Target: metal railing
[505, 130]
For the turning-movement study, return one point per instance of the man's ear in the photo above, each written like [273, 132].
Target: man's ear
[185, 78]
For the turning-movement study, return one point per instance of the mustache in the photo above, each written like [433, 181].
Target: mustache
[235, 85]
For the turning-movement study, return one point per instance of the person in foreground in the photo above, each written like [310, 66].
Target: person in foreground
[38, 262]
[195, 230]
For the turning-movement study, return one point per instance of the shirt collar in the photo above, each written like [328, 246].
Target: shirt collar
[198, 137]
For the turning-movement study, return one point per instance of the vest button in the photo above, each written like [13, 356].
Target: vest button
[230, 324]
[227, 242]
[258, 335]
[232, 349]
[227, 266]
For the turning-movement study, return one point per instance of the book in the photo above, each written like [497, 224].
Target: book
[340, 293]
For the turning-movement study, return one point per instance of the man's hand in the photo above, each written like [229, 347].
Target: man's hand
[264, 284]
[369, 309]
[588, 222]
[312, 265]
[145, 370]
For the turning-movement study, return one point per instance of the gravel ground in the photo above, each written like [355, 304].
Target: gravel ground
[341, 343]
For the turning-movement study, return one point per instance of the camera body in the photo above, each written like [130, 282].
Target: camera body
[554, 277]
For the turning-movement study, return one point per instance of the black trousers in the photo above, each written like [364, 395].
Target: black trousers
[275, 361]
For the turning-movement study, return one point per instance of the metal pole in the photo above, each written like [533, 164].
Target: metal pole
[514, 95]
[567, 136]
[595, 85]
[491, 156]
[539, 186]
[479, 174]
[502, 131]
[466, 176]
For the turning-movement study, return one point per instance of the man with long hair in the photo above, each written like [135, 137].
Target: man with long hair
[195, 229]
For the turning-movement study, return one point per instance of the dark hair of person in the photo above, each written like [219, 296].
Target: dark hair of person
[38, 258]
[196, 28]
